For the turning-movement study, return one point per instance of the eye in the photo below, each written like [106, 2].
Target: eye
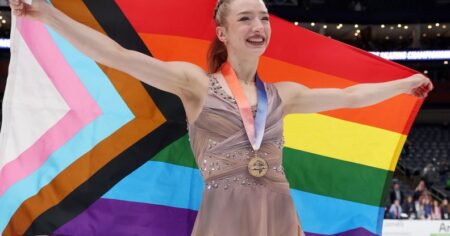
[244, 18]
[265, 18]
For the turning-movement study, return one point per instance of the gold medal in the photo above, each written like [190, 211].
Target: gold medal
[257, 167]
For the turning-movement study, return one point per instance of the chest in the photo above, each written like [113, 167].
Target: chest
[249, 90]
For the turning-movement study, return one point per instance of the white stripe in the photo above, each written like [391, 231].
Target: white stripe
[31, 105]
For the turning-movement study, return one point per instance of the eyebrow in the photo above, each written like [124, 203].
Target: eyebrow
[249, 12]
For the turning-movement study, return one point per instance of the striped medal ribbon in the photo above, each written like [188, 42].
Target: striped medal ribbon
[254, 127]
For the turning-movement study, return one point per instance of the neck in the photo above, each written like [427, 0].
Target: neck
[245, 68]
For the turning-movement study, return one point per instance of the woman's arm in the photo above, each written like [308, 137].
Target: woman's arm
[183, 79]
[300, 99]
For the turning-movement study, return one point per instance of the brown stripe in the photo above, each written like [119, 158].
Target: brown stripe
[137, 100]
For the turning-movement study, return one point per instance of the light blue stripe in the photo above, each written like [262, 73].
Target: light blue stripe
[325, 215]
[115, 115]
[178, 186]
[161, 183]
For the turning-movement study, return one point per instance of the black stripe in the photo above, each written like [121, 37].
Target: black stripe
[108, 176]
[117, 26]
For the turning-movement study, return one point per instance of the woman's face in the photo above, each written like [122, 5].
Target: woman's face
[247, 28]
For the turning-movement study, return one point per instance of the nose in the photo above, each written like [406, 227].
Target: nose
[258, 26]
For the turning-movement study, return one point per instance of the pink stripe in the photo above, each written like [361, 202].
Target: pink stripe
[83, 109]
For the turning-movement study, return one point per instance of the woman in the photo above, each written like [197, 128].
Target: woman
[409, 207]
[420, 190]
[246, 192]
[436, 211]
[444, 209]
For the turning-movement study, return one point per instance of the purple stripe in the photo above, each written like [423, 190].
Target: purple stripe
[115, 217]
[353, 232]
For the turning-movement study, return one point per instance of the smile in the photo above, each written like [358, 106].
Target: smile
[256, 41]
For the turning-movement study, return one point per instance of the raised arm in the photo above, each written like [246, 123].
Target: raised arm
[300, 99]
[183, 79]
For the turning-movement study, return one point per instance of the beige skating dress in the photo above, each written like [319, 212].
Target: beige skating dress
[234, 203]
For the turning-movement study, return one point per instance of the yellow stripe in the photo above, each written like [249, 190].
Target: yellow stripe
[343, 140]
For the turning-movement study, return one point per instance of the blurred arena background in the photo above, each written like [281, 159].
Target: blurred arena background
[415, 33]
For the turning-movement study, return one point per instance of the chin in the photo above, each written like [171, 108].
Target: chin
[257, 51]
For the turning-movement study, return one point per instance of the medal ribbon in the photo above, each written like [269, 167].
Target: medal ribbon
[253, 127]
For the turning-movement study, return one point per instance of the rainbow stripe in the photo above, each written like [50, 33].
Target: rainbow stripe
[108, 155]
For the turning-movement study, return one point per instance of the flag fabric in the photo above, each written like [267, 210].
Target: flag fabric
[88, 150]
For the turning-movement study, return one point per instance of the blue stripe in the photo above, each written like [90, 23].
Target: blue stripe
[325, 215]
[161, 183]
[115, 115]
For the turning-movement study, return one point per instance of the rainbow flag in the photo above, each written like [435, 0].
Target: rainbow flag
[88, 150]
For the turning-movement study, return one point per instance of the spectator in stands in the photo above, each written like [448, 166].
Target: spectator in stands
[436, 211]
[420, 189]
[420, 209]
[427, 206]
[409, 208]
[444, 209]
[396, 210]
[397, 194]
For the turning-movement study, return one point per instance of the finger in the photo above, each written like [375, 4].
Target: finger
[17, 12]
[15, 2]
[17, 6]
[427, 87]
[419, 90]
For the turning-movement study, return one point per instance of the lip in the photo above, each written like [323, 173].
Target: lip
[256, 40]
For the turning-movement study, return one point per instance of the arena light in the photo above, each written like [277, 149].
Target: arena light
[414, 55]
[4, 43]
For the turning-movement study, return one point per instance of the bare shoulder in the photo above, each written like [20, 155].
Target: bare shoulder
[194, 90]
[287, 85]
[288, 89]
[196, 79]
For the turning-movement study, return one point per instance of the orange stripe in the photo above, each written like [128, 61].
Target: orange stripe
[392, 114]
[80, 171]
[177, 48]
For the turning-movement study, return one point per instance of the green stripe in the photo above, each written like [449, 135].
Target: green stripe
[309, 172]
[177, 153]
[335, 178]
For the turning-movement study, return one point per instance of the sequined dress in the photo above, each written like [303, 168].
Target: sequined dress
[234, 203]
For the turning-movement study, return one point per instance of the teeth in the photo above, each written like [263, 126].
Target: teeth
[259, 40]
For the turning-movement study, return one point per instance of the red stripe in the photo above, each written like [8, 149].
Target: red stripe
[301, 47]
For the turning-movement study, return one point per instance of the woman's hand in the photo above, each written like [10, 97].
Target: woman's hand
[34, 11]
[420, 86]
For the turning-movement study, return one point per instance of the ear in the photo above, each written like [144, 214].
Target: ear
[221, 34]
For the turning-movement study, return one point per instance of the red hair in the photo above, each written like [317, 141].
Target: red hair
[217, 52]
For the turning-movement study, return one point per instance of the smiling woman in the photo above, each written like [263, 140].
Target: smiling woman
[235, 119]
